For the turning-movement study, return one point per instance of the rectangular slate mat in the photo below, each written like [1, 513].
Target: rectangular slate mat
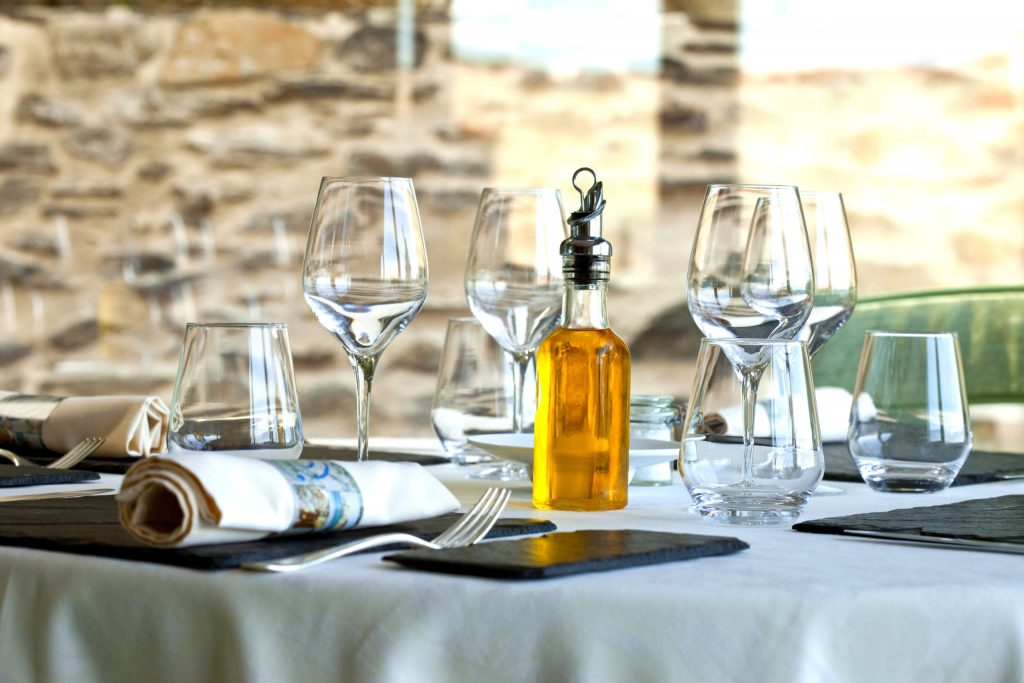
[89, 526]
[564, 554]
[309, 452]
[990, 519]
[980, 467]
[29, 475]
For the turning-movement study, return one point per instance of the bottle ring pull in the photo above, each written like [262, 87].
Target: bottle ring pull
[591, 202]
[592, 174]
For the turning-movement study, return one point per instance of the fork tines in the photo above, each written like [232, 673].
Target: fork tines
[77, 454]
[478, 521]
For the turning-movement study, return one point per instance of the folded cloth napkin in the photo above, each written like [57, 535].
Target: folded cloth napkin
[184, 499]
[132, 426]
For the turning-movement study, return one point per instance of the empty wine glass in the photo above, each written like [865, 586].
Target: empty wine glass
[835, 273]
[365, 272]
[514, 274]
[751, 275]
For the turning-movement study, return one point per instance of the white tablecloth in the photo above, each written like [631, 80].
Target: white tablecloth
[794, 607]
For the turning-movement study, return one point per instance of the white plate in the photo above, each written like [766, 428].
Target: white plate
[519, 448]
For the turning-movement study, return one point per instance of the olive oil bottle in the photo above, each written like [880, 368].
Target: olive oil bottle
[581, 432]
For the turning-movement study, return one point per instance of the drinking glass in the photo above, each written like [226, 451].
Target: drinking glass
[653, 417]
[751, 274]
[365, 272]
[471, 397]
[235, 392]
[514, 274]
[835, 274]
[761, 475]
[910, 430]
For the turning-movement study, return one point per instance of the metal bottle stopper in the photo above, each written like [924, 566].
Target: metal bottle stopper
[586, 256]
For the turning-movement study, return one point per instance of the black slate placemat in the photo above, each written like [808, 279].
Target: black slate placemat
[30, 475]
[994, 519]
[980, 467]
[309, 452]
[563, 554]
[322, 452]
[89, 526]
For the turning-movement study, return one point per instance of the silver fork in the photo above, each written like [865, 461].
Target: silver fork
[77, 454]
[470, 528]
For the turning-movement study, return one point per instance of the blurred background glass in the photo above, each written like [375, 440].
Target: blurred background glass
[180, 153]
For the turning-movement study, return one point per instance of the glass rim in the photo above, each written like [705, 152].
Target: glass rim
[753, 341]
[830, 193]
[523, 190]
[910, 335]
[362, 179]
[238, 326]
[753, 186]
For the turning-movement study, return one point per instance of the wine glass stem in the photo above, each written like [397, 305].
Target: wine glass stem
[520, 362]
[750, 381]
[364, 368]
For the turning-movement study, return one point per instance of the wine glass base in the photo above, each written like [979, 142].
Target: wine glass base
[502, 470]
[747, 508]
[826, 490]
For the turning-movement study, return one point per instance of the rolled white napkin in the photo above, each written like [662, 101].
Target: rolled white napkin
[132, 426]
[184, 499]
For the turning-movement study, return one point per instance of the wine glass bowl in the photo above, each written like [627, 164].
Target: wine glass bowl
[364, 274]
[513, 273]
[835, 273]
[750, 272]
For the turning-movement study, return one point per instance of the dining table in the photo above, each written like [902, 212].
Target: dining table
[792, 607]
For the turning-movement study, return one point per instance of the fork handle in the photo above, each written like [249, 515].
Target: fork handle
[296, 562]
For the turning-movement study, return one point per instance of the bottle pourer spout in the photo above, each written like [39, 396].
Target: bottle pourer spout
[586, 255]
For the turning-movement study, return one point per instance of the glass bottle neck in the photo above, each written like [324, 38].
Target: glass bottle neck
[585, 306]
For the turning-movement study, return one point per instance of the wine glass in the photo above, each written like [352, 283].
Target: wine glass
[514, 274]
[835, 274]
[365, 271]
[750, 277]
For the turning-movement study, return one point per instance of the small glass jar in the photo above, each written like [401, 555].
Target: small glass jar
[654, 417]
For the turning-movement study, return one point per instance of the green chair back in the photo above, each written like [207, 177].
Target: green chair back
[988, 321]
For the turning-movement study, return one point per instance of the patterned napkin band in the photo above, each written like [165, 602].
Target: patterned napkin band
[326, 496]
[22, 417]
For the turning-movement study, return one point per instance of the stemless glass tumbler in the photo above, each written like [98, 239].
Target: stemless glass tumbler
[910, 430]
[471, 396]
[365, 272]
[766, 475]
[235, 392]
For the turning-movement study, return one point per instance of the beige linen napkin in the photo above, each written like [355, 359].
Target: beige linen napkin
[132, 426]
[184, 499]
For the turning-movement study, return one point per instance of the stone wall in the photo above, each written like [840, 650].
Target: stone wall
[160, 166]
